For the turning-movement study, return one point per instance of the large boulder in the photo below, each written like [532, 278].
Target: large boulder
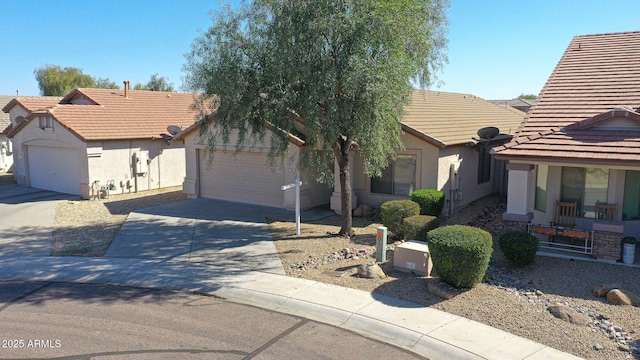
[371, 271]
[602, 289]
[568, 314]
[623, 297]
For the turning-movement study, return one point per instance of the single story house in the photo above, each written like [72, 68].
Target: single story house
[225, 174]
[518, 103]
[95, 141]
[578, 152]
[6, 146]
[443, 150]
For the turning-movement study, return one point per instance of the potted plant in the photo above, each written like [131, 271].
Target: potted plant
[629, 250]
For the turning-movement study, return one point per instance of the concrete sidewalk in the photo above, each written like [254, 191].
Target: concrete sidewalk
[225, 249]
[425, 331]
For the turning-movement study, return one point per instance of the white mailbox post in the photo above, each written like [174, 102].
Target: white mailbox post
[296, 184]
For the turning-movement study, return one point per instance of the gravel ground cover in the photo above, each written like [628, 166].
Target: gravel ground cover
[87, 227]
[511, 299]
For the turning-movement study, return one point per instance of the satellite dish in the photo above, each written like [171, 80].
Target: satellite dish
[174, 129]
[488, 133]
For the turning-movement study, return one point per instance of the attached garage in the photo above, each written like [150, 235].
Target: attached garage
[54, 168]
[244, 177]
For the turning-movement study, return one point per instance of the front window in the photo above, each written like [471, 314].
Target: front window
[631, 205]
[541, 188]
[45, 123]
[585, 186]
[484, 165]
[399, 178]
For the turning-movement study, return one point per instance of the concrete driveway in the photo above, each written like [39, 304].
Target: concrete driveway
[26, 220]
[230, 235]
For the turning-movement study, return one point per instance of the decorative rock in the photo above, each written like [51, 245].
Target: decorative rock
[568, 314]
[623, 347]
[539, 293]
[597, 347]
[602, 289]
[441, 289]
[371, 271]
[623, 297]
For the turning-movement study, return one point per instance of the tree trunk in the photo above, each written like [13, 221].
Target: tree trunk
[345, 189]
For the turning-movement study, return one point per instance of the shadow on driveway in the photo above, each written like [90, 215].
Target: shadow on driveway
[213, 232]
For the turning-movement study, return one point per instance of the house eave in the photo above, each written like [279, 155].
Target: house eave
[586, 162]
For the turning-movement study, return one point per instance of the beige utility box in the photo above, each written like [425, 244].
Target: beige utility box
[413, 256]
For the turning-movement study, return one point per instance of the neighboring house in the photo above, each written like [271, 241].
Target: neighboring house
[439, 131]
[6, 125]
[6, 146]
[580, 145]
[520, 104]
[98, 139]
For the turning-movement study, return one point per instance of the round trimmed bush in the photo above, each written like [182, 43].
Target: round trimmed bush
[416, 227]
[460, 254]
[431, 201]
[519, 247]
[393, 212]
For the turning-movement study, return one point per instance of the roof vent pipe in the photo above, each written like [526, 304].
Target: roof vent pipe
[126, 89]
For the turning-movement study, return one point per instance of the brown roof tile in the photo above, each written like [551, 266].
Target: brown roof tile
[446, 119]
[596, 74]
[110, 116]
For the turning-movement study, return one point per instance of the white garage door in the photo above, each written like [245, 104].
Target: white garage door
[245, 178]
[54, 168]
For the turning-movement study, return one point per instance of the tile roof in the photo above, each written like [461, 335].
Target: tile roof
[446, 119]
[596, 74]
[29, 103]
[4, 117]
[105, 114]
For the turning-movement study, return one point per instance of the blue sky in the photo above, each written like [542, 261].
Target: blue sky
[497, 49]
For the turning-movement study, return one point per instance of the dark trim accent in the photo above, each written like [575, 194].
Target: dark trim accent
[520, 167]
[517, 217]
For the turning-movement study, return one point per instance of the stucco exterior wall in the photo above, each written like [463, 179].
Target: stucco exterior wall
[434, 170]
[103, 160]
[426, 160]
[6, 154]
[114, 162]
[312, 193]
[32, 135]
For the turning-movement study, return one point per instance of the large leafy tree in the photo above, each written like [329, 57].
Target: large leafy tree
[155, 83]
[345, 68]
[55, 80]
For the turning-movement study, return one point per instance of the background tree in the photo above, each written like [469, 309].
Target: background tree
[528, 96]
[106, 84]
[54, 80]
[156, 83]
[346, 68]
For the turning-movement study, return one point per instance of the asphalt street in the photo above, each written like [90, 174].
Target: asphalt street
[65, 320]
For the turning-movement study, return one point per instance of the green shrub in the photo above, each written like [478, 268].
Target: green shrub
[393, 212]
[460, 254]
[431, 201]
[519, 247]
[416, 227]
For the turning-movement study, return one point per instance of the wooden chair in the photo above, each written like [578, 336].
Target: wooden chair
[607, 211]
[563, 217]
[565, 214]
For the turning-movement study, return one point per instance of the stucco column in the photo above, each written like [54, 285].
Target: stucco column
[335, 203]
[519, 201]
